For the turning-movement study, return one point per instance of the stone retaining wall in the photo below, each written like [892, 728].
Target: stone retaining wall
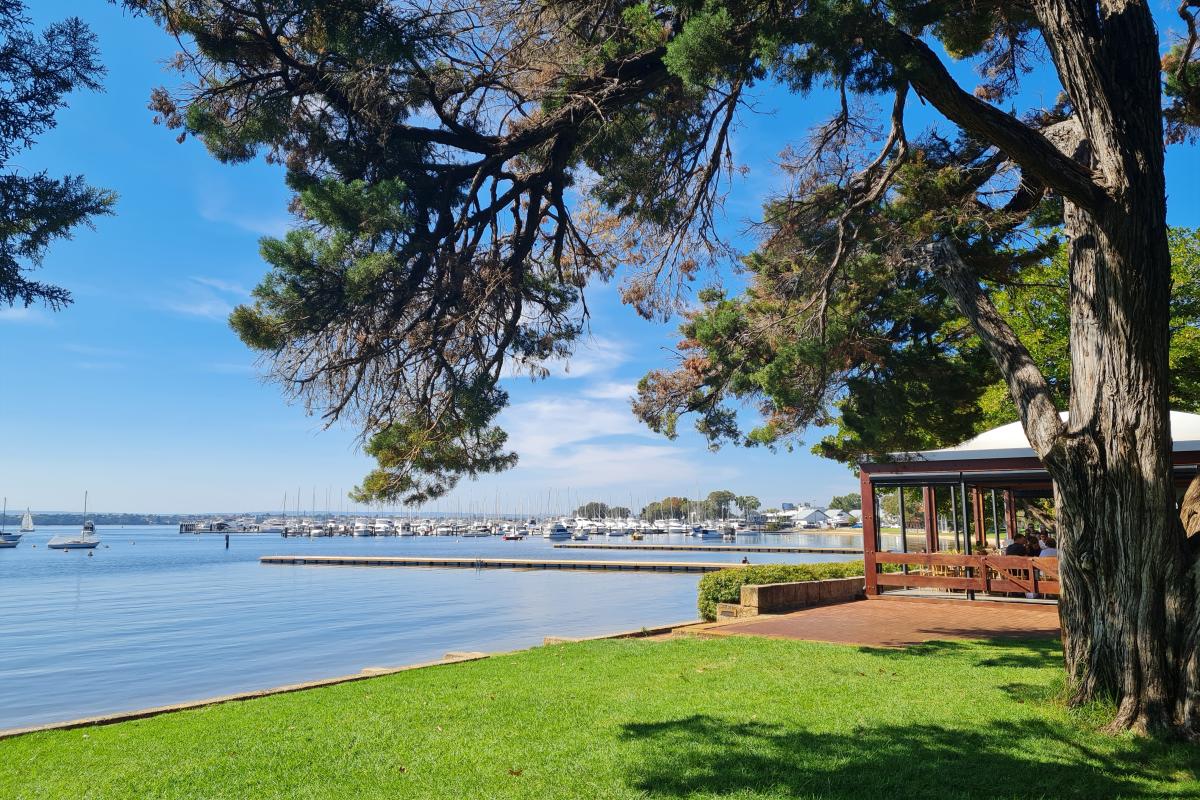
[776, 598]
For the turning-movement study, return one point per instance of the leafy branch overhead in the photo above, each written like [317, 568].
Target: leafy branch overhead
[463, 172]
[38, 69]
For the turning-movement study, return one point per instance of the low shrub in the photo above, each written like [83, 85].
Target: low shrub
[725, 586]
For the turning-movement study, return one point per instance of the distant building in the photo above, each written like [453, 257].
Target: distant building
[838, 517]
[812, 518]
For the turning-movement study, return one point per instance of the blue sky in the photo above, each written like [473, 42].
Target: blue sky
[141, 394]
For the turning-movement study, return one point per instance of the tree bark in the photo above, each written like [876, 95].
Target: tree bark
[1129, 585]
[1127, 603]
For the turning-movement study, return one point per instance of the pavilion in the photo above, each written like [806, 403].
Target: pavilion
[986, 484]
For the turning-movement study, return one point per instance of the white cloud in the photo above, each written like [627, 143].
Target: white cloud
[217, 202]
[540, 429]
[208, 307]
[25, 316]
[98, 352]
[611, 390]
[212, 298]
[593, 356]
[99, 366]
[568, 440]
[227, 287]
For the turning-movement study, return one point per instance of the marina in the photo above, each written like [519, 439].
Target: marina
[733, 548]
[498, 563]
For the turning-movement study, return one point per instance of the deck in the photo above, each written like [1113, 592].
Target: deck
[901, 622]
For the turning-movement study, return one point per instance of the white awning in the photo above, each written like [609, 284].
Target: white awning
[1009, 441]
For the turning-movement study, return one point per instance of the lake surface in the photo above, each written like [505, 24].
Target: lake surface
[157, 617]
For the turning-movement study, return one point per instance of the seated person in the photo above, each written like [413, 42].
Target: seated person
[1051, 548]
[1017, 548]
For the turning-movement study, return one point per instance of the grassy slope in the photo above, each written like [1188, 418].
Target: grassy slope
[744, 718]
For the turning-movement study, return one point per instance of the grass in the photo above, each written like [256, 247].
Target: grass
[727, 718]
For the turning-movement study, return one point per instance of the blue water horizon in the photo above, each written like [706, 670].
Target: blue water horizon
[155, 617]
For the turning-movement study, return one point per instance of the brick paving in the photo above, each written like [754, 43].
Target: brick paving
[901, 622]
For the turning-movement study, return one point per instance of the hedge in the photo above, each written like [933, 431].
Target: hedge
[725, 586]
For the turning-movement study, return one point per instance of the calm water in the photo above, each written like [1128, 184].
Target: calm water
[156, 617]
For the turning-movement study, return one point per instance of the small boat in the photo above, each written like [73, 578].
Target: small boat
[513, 535]
[27, 522]
[86, 539]
[7, 540]
[637, 536]
[556, 530]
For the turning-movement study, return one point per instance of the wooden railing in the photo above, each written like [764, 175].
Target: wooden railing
[981, 573]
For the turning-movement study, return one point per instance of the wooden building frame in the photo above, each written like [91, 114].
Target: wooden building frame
[996, 469]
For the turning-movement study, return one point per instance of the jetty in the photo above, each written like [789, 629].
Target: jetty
[698, 548]
[498, 563]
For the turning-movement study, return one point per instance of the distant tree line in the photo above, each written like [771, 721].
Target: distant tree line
[597, 510]
[718, 505]
[846, 502]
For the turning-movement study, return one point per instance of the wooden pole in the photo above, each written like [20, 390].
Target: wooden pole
[962, 489]
[1010, 513]
[931, 535]
[954, 517]
[977, 517]
[995, 520]
[870, 531]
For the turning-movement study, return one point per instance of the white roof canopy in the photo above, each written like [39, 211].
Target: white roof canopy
[1009, 441]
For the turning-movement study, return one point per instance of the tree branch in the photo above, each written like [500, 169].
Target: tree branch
[1036, 154]
[1025, 381]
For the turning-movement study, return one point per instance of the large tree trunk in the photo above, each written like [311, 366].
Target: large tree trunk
[1127, 600]
[1126, 603]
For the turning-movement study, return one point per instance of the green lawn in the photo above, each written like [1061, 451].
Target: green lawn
[729, 718]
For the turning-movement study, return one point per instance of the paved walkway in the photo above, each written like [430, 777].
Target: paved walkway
[900, 622]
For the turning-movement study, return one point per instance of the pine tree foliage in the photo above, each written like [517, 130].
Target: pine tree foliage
[38, 69]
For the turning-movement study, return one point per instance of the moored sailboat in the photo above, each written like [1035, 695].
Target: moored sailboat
[86, 539]
[7, 539]
[27, 522]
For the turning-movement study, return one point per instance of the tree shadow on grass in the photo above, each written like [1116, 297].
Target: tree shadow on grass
[704, 755]
[1017, 653]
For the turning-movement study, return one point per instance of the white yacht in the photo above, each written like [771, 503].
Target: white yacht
[675, 526]
[86, 539]
[556, 530]
[362, 528]
[27, 522]
[580, 534]
[272, 525]
[383, 527]
[405, 528]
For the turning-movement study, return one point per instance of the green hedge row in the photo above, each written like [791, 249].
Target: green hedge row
[725, 586]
